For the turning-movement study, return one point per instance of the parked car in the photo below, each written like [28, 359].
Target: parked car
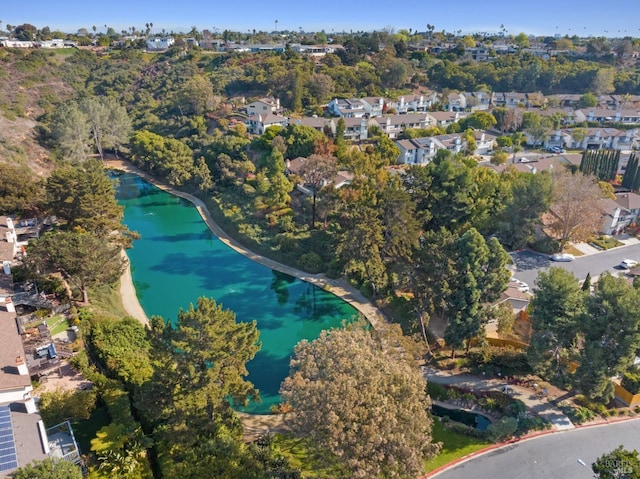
[564, 257]
[520, 285]
[628, 263]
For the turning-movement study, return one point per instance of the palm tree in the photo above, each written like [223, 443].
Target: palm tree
[276, 26]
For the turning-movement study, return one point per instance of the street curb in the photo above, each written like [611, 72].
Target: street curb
[518, 440]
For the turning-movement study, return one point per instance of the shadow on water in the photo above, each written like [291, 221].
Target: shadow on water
[280, 286]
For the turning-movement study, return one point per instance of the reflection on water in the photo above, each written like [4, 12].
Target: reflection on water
[177, 259]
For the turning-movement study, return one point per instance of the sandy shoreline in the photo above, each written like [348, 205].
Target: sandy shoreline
[129, 297]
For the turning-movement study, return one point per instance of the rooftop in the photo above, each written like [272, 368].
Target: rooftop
[27, 438]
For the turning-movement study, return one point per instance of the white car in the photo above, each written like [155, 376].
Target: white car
[563, 257]
[520, 285]
[628, 263]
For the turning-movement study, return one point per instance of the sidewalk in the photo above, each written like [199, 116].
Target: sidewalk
[540, 407]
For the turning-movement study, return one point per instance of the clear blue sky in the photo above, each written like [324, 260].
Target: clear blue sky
[541, 17]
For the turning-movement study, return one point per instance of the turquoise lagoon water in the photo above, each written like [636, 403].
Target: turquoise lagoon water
[177, 259]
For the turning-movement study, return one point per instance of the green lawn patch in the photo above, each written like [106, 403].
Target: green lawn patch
[606, 242]
[454, 446]
[57, 324]
[299, 457]
[86, 430]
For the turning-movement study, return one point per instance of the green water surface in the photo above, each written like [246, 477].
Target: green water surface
[177, 259]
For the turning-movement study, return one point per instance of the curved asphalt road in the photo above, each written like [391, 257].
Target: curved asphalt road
[529, 263]
[553, 456]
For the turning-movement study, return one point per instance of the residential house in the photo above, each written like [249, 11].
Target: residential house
[626, 101]
[23, 436]
[608, 102]
[394, 125]
[316, 51]
[566, 100]
[508, 99]
[535, 100]
[373, 106]
[263, 106]
[485, 142]
[477, 100]
[595, 138]
[540, 51]
[442, 48]
[421, 151]
[455, 102]
[356, 128]
[340, 179]
[159, 43]
[619, 213]
[17, 44]
[258, 124]
[352, 108]
[444, 118]
[479, 53]
[413, 103]
[603, 116]
[320, 124]
[55, 43]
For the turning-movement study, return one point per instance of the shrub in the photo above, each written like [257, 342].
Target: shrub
[546, 245]
[464, 429]
[436, 391]
[502, 428]
[528, 423]
[631, 380]
[310, 262]
[248, 190]
[287, 242]
[579, 414]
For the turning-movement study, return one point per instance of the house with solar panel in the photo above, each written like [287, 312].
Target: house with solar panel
[23, 435]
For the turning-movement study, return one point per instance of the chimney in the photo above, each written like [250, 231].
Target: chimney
[8, 304]
[22, 366]
[29, 404]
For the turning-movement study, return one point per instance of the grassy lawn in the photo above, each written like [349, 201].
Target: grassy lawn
[299, 457]
[57, 324]
[606, 242]
[572, 250]
[86, 430]
[454, 446]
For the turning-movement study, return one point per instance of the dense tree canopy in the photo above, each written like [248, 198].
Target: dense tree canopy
[81, 257]
[20, 191]
[84, 197]
[49, 469]
[356, 399]
[617, 464]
